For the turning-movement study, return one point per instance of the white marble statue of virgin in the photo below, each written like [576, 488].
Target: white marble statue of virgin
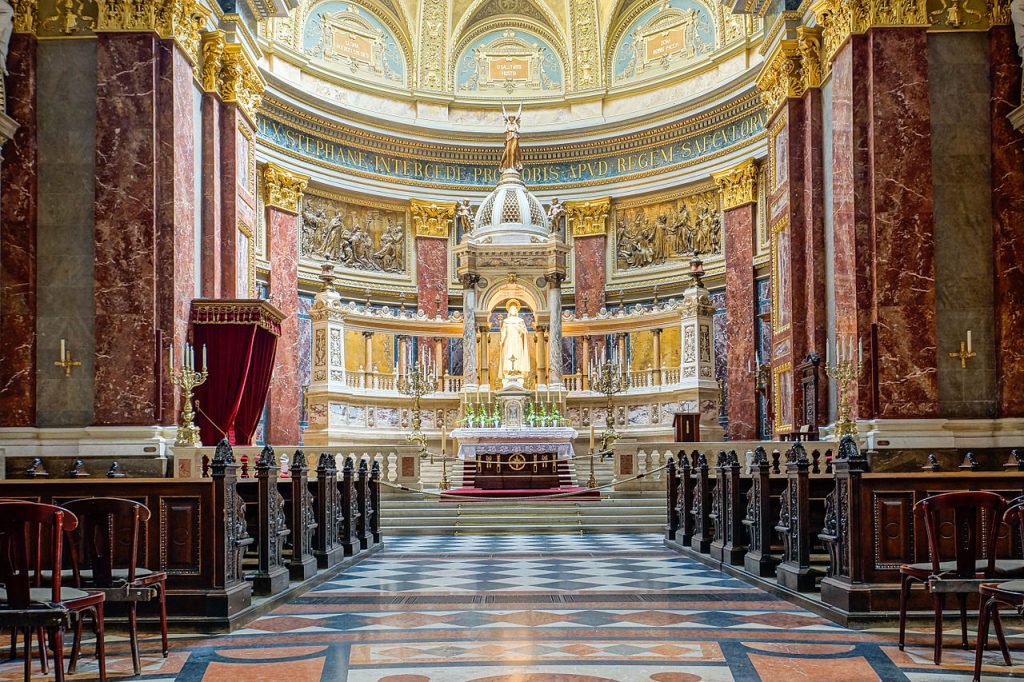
[515, 348]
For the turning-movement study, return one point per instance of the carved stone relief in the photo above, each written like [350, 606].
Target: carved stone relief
[654, 234]
[356, 236]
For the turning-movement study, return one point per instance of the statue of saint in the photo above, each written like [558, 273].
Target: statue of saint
[464, 217]
[1017, 17]
[515, 347]
[511, 157]
[6, 28]
[556, 215]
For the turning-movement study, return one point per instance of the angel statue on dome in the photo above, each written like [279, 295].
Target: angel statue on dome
[512, 156]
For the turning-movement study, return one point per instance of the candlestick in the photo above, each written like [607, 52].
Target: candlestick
[187, 379]
[842, 370]
[65, 362]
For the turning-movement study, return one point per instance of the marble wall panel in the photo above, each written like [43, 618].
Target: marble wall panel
[961, 167]
[212, 212]
[18, 207]
[1008, 222]
[902, 223]
[238, 196]
[176, 210]
[283, 400]
[813, 288]
[591, 273]
[305, 357]
[739, 319]
[125, 232]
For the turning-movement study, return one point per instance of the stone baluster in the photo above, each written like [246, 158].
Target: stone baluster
[349, 538]
[364, 530]
[328, 506]
[303, 521]
[271, 575]
[701, 539]
[758, 559]
[794, 523]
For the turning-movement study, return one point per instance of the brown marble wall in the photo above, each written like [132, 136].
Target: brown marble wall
[238, 197]
[283, 399]
[851, 215]
[211, 197]
[431, 284]
[18, 180]
[125, 231]
[813, 226]
[591, 273]
[1008, 222]
[740, 308]
[902, 224]
[176, 210]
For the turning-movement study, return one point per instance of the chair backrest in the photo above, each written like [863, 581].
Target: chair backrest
[107, 536]
[28, 530]
[1014, 517]
[976, 516]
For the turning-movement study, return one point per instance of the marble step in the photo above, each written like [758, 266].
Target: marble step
[523, 529]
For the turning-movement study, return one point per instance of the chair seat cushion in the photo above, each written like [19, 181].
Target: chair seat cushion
[1005, 568]
[1011, 586]
[44, 595]
[119, 575]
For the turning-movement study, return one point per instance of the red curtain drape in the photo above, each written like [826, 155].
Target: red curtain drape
[229, 349]
[261, 369]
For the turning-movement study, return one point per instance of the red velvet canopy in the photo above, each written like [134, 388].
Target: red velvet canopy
[240, 336]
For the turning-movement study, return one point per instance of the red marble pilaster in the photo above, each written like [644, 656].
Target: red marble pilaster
[283, 400]
[813, 226]
[903, 224]
[125, 228]
[238, 199]
[211, 197]
[18, 180]
[851, 215]
[740, 308]
[431, 285]
[176, 215]
[1008, 222]
[591, 273]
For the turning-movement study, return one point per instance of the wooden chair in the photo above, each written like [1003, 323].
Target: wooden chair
[976, 516]
[29, 530]
[997, 595]
[105, 551]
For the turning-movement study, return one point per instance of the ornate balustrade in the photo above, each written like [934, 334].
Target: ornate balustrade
[221, 537]
[796, 516]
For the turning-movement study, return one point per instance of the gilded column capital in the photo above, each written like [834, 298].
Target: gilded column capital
[738, 184]
[179, 20]
[26, 16]
[282, 189]
[808, 41]
[432, 218]
[212, 48]
[588, 218]
[782, 76]
[839, 19]
[239, 80]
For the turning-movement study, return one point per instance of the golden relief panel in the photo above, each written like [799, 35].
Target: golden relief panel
[358, 236]
[673, 229]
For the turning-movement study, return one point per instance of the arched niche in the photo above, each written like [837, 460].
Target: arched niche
[354, 41]
[515, 59]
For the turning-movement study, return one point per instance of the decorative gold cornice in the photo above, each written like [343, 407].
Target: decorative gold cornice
[180, 20]
[588, 218]
[738, 184]
[839, 19]
[212, 46]
[808, 41]
[239, 80]
[26, 15]
[782, 76]
[283, 188]
[432, 218]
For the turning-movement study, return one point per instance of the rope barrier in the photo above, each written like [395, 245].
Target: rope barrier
[576, 493]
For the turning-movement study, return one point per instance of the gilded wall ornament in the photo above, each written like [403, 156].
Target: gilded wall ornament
[69, 17]
[588, 218]
[433, 29]
[283, 188]
[665, 230]
[212, 50]
[738, 184]
[431, 219]
[782, 76]
[239, 80]
[586, 63]
[361, 237]
[26, 13]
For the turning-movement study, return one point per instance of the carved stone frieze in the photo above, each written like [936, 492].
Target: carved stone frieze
[656, 233]
[431, 218]
[588, 218]
[357, 236]
[282, 188]
[738, 184]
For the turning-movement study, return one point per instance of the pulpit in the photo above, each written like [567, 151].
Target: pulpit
[240, 340]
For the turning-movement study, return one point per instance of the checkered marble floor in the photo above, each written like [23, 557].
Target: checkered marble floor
[597, 608]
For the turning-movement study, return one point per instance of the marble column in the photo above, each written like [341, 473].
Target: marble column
[368, 356]
[211, 275]
[555, 330]
[484, 334]
[623, 358]
[18, 208]
[469, 374]
[656, 352]
[588, 224]
[584, 363]
[282, 196]
[1008, 222]
[739, 195]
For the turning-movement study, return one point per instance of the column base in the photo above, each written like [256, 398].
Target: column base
[265, 584]
[304, 569]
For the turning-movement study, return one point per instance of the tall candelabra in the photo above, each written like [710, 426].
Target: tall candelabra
[842, 366]
[609, 381]
[417, 382]
[187, 378]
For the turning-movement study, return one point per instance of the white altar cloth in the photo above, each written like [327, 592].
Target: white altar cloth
[507, 441]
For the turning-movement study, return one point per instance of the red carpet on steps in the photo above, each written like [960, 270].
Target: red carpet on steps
[480, 495]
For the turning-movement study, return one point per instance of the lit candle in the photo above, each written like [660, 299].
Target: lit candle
[63, 354]
[170, 356]
[860, 351]
[444, 439]
[968, 340]
[204, 357]
[591, 435]
[827, 348]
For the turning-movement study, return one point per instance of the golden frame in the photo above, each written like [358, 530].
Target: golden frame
[247, 232]
[776, 232]
[777, 373]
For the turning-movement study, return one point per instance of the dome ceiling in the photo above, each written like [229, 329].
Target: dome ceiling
[487, 50]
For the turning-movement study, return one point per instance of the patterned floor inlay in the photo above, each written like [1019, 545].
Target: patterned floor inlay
[545, 608]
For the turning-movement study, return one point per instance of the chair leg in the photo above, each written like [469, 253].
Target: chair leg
[14, 643]
[1000, 637]
[979, 649]
[44, 664]
[163, 617]
[939, 602]
[133, 636]
[904, 589]
[58, 654]
[101, 651]
[76, 648]
[28, 654]
[962, 598]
